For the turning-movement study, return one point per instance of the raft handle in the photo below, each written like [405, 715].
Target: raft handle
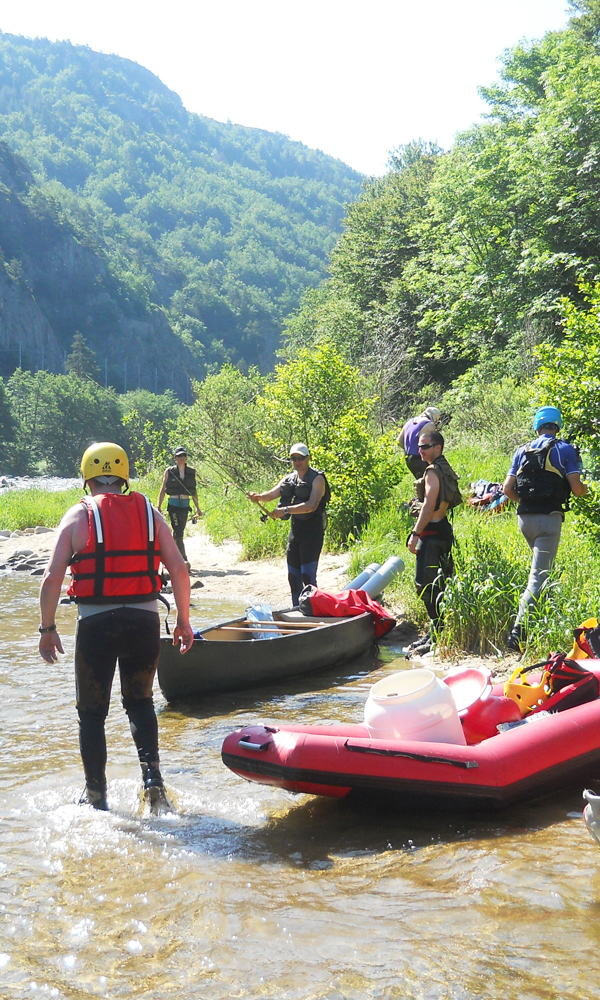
[249, 745]
[423, 758]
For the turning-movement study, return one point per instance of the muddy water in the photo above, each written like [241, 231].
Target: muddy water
[250, 892]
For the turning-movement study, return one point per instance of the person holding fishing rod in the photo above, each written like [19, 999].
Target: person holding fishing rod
[179, 483]
[303, 496]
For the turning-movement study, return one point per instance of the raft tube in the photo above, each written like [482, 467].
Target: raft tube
[377, 583]
[526, 761]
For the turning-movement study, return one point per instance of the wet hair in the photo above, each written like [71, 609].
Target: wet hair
[435, 438]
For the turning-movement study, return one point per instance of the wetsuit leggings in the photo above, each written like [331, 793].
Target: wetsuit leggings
[542, 533]
[434, 565]
[178, 517]
[131, 637]
[304, 546]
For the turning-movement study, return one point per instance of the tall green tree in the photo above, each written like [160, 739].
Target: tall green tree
[306, 398]
[321, 399]
[455, 256]
[81, 362]
[220, 428]
[57, 417]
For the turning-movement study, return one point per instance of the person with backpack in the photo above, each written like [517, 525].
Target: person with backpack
[408, 438]
[432, 537]
[541, 478]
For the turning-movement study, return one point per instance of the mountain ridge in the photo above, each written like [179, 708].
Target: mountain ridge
[217, 227]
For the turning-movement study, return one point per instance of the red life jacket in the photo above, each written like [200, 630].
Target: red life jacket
[120, 560]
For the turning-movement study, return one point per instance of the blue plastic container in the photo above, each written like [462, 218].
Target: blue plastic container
[384, 576]
[367, 573]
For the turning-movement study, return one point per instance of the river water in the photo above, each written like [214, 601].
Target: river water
[250, 892]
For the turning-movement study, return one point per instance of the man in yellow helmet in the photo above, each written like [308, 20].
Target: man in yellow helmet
[113, 544]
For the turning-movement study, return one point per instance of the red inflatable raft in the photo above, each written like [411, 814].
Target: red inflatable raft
[529, 760]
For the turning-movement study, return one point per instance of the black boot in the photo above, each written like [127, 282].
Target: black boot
[421, 641]
[154, 789]
[95, 797]
[516, 638]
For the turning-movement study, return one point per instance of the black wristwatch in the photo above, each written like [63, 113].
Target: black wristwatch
[50, 628]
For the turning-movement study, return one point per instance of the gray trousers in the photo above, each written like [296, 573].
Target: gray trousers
[542, 534]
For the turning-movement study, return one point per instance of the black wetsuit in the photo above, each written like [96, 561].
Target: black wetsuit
[131, 636]
[307, 531]
[434, 565]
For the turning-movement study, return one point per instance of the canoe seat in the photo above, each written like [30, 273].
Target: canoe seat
[296, 616]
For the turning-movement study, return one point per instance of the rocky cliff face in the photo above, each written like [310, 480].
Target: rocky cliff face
[26, 337]
[52, 285]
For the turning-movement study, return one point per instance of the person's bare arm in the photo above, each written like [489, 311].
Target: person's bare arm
[265, 497]
[163, 490]
[316, 495]
[432, 490]
[508, 488]
[577, 486]
[180, 581]
[73, 525]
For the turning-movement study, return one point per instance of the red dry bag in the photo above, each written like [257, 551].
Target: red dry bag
[349, 603]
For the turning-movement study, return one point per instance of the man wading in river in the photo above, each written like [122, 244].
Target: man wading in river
[303, 496]
[113, 544]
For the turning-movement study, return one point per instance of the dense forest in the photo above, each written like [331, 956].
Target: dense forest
[464, 257]
[171, 242]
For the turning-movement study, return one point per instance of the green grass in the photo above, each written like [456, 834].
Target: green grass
[21, 509]
[492, 566]
[229, 514]
[492, 562]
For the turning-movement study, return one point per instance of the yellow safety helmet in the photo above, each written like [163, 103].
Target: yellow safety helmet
[527, 696]
[104, 459]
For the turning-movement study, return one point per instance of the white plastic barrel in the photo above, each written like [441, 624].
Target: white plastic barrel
[413, 705]
[366, 574]
[384, 575]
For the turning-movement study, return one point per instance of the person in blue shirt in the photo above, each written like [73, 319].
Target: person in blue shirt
[542, 476]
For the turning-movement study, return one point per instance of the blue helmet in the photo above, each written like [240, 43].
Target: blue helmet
[547, 415]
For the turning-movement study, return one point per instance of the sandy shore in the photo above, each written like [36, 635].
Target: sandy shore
[222, 572]
[225, 574]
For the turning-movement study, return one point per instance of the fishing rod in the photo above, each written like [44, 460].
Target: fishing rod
[265, 515]
[227, 483]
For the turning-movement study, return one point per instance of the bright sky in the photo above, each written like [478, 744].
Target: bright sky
[353, 79]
